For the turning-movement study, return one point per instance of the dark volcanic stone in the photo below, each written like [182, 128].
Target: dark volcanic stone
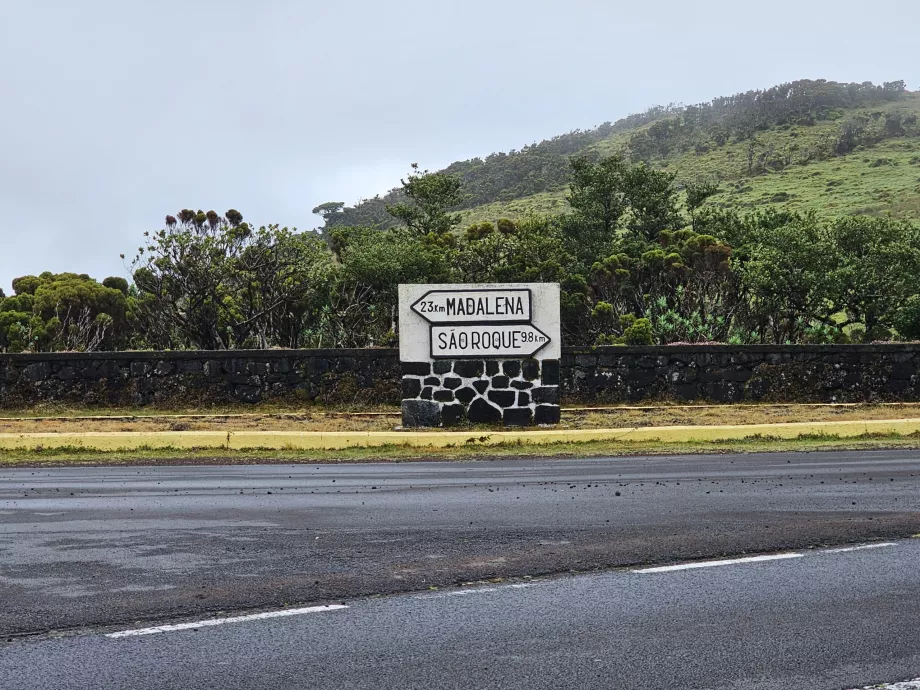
[411, 387]
[500, 382]
[523, 399]
[416, 368]
[68, 374]
[465, 395]
[530, 368]
[451, 415]
[481, 412]
[546, 414]
[902, 370]
[503, 398]
[420, 413]
[481, 386]
[546, 394]
[249, 394]
[142, 368]
[38, 371]
[517, 416]
[432, 381]
[194, 366]
[550, 372]
[426, 393]
[491, 367]
[444, 396]
[521, 385]
[468, 368]
[723, 391]
[164, 369]
[442, 366]
[639, 378]
[512, 368]
[452, 382]
[685, 391]
[319, 365]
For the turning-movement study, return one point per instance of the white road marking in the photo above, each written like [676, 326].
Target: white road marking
[474, 590]
[906, 685]
[464, 592]
[711, 564]
[222, 621]
[847, 549]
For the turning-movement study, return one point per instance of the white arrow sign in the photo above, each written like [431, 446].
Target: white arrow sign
[474, 306]
[483, 340]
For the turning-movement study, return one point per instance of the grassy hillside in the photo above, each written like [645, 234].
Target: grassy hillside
[810, 145]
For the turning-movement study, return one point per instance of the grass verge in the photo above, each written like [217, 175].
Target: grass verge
[280, 418]
[399, 453]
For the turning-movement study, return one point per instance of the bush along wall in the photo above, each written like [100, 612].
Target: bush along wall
[363, 377]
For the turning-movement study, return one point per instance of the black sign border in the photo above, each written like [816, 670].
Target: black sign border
[529, 318]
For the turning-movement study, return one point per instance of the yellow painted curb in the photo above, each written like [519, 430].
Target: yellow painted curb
[331, 440]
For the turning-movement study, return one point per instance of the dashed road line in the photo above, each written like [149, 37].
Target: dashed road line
[756, 559]
[474, 590]
[905, 685]
[284, 613]
[711, 564]
[847, 549]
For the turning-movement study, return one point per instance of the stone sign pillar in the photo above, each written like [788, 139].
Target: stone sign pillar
[480, 353]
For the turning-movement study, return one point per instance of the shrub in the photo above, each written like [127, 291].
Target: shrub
[907, 320]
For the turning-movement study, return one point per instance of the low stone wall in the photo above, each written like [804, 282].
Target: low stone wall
[352, 378]
[187, 378]
[754, 373]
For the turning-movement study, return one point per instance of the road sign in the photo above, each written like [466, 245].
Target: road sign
[486, 340]
[475, 306]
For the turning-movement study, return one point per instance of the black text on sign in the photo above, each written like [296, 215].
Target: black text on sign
[497, 340]
[474, 306]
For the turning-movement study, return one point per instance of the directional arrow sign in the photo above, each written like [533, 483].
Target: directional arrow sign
[483, 340]
[474, 306]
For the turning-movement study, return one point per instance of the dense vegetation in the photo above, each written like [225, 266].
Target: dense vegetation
[642, 256]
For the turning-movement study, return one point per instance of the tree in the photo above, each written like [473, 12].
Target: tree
[63, 311]
[213, 282]
[875, 264]
[431, 196]
[362, 310]
[697, 193]
[597, 193]
[282, 283]
[652, 202]
[534, 252]
[330, 211]
[783, 275]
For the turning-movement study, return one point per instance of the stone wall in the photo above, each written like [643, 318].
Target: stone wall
[512, 392]
[331, 377]
[754, 373]
[352, 378]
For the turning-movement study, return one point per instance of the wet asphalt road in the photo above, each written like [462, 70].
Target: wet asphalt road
[821, 621]
[83, 547]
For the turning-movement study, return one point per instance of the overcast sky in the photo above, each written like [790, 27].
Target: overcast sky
[116, 113]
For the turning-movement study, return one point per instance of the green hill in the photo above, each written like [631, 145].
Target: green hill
[839, 149]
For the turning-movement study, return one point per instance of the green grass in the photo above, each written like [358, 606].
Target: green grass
[397, 453]
[877, 180]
